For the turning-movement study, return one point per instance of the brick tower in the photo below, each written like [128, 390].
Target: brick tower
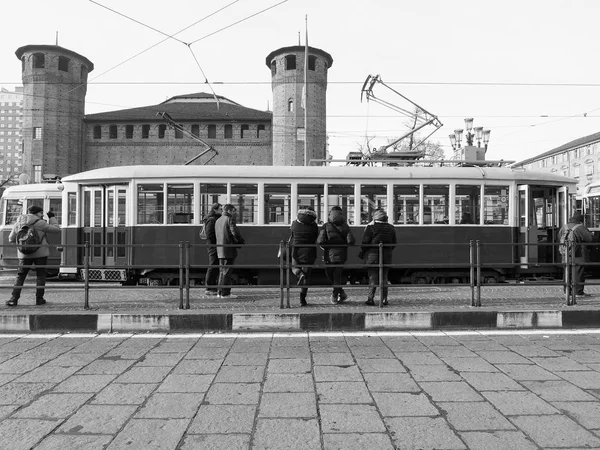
[287, 81]
[54, 88]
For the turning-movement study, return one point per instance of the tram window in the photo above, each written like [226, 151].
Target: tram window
[406, 204]
[14, 208]
[245, 198]
[371, 198]
[277, 203]
[467, 204]
[495, 205]
[435, 203]
[121, 207]
[56, 208]
[71, 208]
[312, 195]
[150, 204]
[593, 212]
[87, 208]
[342, 195]
[210, 194]
[97, 208]
[110, 208]
[180, 203]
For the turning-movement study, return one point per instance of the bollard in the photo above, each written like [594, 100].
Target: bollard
[86, 275]
[472, 271]
[281, 273]
[381, 280]
[181, 281]
[287, 272]
[478, 265]
[187, 274]
[571, 289]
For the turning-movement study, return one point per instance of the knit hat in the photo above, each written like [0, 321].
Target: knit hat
[34, 209]
[379, 214]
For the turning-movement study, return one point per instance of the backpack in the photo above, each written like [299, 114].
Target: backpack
[567, 239]
[28, 239]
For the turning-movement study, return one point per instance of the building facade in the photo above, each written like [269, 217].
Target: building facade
[11, 140]
[579, 159]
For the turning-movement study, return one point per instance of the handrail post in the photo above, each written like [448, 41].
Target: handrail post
[479, 279]
[187, 274]
[573, 287]
[287, 272]
[281, 273]
[181, 281]
[472, 271]
[567, 274]
[86, 275]
[381, 281]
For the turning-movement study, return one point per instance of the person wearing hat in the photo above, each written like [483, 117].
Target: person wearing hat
[580, 235]
[304, 232]
[376, 232]
[39, 258]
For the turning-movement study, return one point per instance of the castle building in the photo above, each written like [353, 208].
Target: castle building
[11, 142]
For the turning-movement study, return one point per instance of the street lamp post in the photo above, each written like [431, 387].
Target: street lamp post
[477, 133]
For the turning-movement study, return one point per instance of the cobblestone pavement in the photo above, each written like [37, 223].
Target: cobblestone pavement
[442, 390]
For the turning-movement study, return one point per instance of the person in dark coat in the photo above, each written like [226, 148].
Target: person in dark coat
[227, 234]
[334, 238]
[37, 258]
[212, 272]
[378, 231]
[304, 230]
[580, 234]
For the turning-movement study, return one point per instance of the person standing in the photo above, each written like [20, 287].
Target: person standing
[39, 258]
[304, 230]
[580, 235]
[227, 234]
[212, 273]
[334, 238]
[376, 232]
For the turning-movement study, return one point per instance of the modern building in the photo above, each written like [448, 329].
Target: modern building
[579, 159]
[11, 141]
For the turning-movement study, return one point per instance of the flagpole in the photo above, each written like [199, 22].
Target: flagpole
[306, 92]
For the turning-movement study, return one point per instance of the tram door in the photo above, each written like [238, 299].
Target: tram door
[104, 224]
[527, 227]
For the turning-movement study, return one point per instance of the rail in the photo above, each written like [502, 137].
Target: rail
[475, 264]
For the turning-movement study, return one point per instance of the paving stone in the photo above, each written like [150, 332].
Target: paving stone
[21, 365]
[522, 372]
[144, 375]
[286, 434]
[585, 356]
[474, 416]
[503, 357]
[556, 391]
[124, 394]
[584, 413]
[529, 351]
[380, 365]
[164, 405]
[423, 433]
[246, 359]
[186, 383]
[391, 382]
[337, 373]
[223, 419]
[240, 374]
[555, 431]
[84, 383]
[333, 359]
[469, 364]
[350, 419]
[233, 394]
[73, 442]
[343, 392]
[288, 405]
[419, 358]
[198, 366]
[7, 377]
[560, 363]
[21, 393]
[207, 353]
[289, 352]
[216, 442]
[357, 441]
[7, 410]
[150, 434]
[175, 345]
[519, 403]
[23, 434]
[452, 352]
[372, 352]
[47, 374]
[289, 382]
[97, 419]
[432, 341]
[487, 344]
[393, 404]
[497, 440]
[450, 391]
[159, 359]
[126, 353]
[289, 366]
[53, 406]
[585, 380]
[72, 359]
[106, 367]
[491, 381]
[433, 373]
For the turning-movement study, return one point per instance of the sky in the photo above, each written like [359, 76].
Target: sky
[525, 69]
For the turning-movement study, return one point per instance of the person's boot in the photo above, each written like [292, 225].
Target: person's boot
[303, 299]
[12, 302]
[342, 297]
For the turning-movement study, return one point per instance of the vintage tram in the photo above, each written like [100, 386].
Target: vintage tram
[127, 213]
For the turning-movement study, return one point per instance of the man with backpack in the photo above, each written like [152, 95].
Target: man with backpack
[570, 235]
[29, 233]
[212, 272]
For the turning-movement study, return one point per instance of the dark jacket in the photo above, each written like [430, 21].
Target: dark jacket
[376, 232]
[209, 226]
[227, 232]
[580, 234]
[41, 227]
[335, 237]
[304, 230]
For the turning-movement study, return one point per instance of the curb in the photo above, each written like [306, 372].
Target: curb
[289, 322]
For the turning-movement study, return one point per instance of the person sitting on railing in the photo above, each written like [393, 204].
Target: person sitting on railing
[376, 232]
[304, 230]
[580, 234]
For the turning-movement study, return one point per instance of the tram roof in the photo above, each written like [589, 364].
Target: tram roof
[33, 187]
[332, 173]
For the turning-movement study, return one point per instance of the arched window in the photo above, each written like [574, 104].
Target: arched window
[228, 132]
[145, 131]
[83, 73]
[23, 64]
[259, 129]
[290, 62]
[312, 62]
[291, 105]
[112, 132]
[212, 131]
[63, 63]
[39, 61]
[162, 129]
[97, 132]
[245, 128]
[273, 67]
[196, 130]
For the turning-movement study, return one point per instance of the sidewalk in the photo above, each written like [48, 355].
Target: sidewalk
[115, 308]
